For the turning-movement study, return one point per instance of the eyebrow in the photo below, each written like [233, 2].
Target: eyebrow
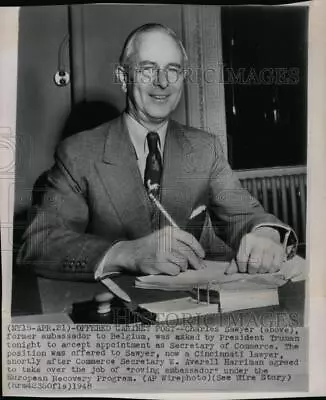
[148, 62]
[145, 62]
[175, 65]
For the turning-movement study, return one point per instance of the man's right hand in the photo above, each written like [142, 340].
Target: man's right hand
[167, 251]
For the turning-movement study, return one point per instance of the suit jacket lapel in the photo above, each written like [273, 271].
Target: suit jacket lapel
[176, 188]
[122, 180]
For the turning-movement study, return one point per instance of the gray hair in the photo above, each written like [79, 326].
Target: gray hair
[129, 45]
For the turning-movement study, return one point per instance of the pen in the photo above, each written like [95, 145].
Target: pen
[285, 244]
[115, 289]
[174, 224]
[163, 210]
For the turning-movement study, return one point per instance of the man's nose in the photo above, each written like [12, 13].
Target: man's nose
[161, 79]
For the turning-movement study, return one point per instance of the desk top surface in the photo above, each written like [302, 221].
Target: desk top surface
[58, 298]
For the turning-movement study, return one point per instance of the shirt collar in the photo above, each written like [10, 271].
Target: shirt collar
[138, 133]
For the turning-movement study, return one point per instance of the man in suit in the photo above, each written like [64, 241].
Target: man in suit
[96, 217]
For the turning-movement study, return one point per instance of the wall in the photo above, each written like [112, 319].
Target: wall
[42, 107]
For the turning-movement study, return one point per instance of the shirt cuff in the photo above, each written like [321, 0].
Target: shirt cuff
[106, 266]
[289, 238]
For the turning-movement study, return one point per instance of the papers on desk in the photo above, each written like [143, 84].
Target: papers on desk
[218, 291]
[214, 275]
[232, 292]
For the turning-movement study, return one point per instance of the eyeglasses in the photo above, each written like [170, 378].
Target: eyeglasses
[150, 73]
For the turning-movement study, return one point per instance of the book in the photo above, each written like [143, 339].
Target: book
[224, 300]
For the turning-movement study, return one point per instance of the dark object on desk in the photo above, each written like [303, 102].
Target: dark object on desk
[120, 313]
[26, 296]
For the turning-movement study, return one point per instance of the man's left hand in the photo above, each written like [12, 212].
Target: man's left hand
[260, 252]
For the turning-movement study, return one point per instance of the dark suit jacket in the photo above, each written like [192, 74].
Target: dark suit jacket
[95, 197]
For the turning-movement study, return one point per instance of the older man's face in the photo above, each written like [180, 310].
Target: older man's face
[156, 78]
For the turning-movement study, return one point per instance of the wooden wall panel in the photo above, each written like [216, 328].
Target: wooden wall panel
[205, 91]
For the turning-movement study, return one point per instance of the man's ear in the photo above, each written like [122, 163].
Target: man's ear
[122, 76]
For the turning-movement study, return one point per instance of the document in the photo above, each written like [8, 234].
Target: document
[214, 274]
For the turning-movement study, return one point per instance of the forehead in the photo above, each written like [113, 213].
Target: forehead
[158, 47]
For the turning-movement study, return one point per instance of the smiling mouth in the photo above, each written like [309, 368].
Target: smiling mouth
[159, 97]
